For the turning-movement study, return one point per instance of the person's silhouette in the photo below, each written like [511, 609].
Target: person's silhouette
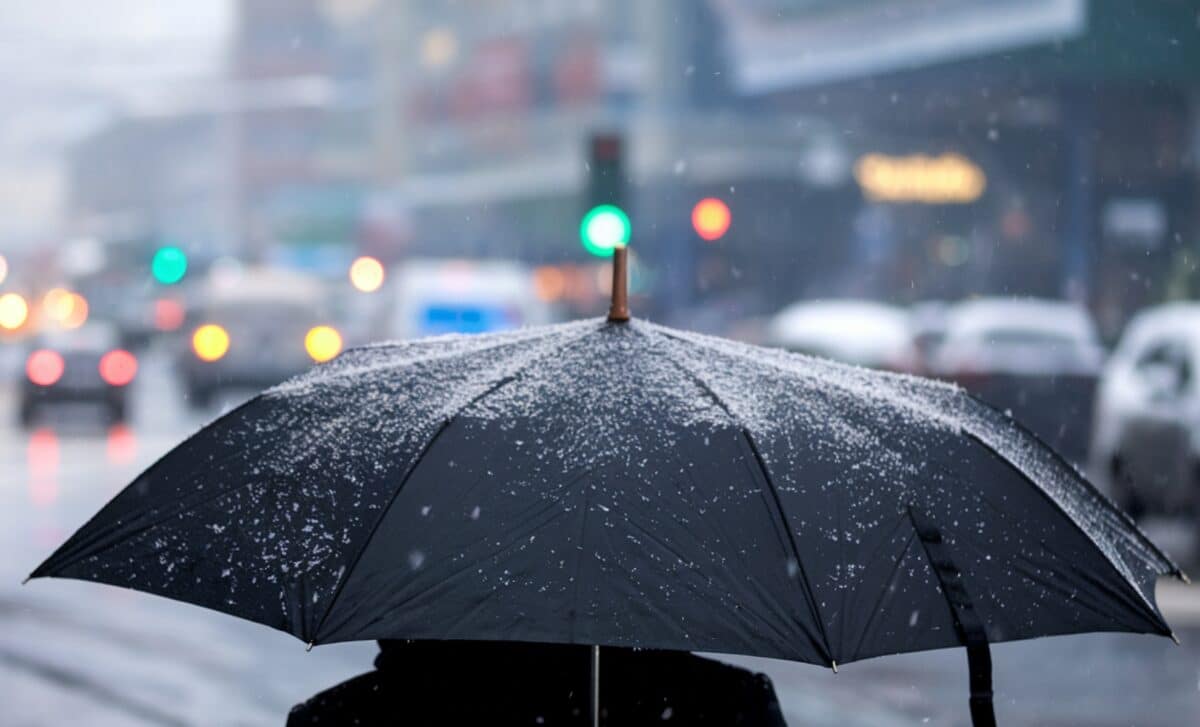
[510, 683]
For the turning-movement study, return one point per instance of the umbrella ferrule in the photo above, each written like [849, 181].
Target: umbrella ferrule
[618, 312]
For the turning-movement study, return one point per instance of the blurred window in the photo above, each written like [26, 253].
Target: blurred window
[1028, 337]
[90, 337]
[1165, 367]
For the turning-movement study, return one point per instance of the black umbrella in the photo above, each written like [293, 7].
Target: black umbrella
[620, 483]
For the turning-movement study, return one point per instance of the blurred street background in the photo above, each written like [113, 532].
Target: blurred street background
[200, 199]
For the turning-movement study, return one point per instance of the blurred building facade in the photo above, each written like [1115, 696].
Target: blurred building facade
[149, 176]
[881, 148]
[302, 136]
[1082, 115]
[494, 104]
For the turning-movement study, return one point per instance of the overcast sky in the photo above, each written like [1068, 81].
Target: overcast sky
[67, 65]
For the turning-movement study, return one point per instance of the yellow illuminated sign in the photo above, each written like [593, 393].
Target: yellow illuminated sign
[945, 179]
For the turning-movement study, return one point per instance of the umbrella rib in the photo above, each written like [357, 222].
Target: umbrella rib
[809, 594]
[884, 590]
[446, 422]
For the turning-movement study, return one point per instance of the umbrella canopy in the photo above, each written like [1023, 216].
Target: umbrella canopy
[622, 483]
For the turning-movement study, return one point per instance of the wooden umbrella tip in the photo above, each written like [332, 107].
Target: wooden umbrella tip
[618, 312]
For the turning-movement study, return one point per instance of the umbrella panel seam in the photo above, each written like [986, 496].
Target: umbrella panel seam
[810, 594]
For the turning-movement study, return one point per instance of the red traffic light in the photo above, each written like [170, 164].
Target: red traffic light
[711, 218]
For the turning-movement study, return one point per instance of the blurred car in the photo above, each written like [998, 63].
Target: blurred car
[254, 330]
[431, 297]
[1038, 359]
[860, 332]
[927, 326]
[142, 315]
[82, 365]
[1146, 445]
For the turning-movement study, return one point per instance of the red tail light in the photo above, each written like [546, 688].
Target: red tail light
[118, 367]
[44, 367]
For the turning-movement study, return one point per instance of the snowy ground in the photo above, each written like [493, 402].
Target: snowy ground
[86, 654]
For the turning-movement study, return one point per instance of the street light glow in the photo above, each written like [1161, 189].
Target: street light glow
[366, 274]
[57, 304]
[13, 311]
[210, 342]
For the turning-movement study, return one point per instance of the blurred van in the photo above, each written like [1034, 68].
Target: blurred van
[253, 329]
[432, 297]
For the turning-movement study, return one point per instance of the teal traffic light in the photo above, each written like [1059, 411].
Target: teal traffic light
[169, 265]
[605, 225]
[603, 228]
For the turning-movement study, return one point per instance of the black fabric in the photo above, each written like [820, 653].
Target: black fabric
[450, 683]
[624, 485]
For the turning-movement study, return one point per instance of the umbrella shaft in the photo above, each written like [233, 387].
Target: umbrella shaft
[595, 692]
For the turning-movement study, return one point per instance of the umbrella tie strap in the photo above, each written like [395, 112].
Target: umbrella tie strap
[979, 664]
[967, 621]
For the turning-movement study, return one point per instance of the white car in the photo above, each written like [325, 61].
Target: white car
[1038, 359]
[860, 332]
[1146, 443]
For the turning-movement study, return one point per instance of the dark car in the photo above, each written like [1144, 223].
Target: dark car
[83, 365]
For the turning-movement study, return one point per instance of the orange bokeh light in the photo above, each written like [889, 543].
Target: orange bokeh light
[549, 283]
[711, 218]
[78, 313]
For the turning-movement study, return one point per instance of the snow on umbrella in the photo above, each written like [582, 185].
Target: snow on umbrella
[620, 483]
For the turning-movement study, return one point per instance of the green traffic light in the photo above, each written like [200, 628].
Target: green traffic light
[169, 265]
[603, 228]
